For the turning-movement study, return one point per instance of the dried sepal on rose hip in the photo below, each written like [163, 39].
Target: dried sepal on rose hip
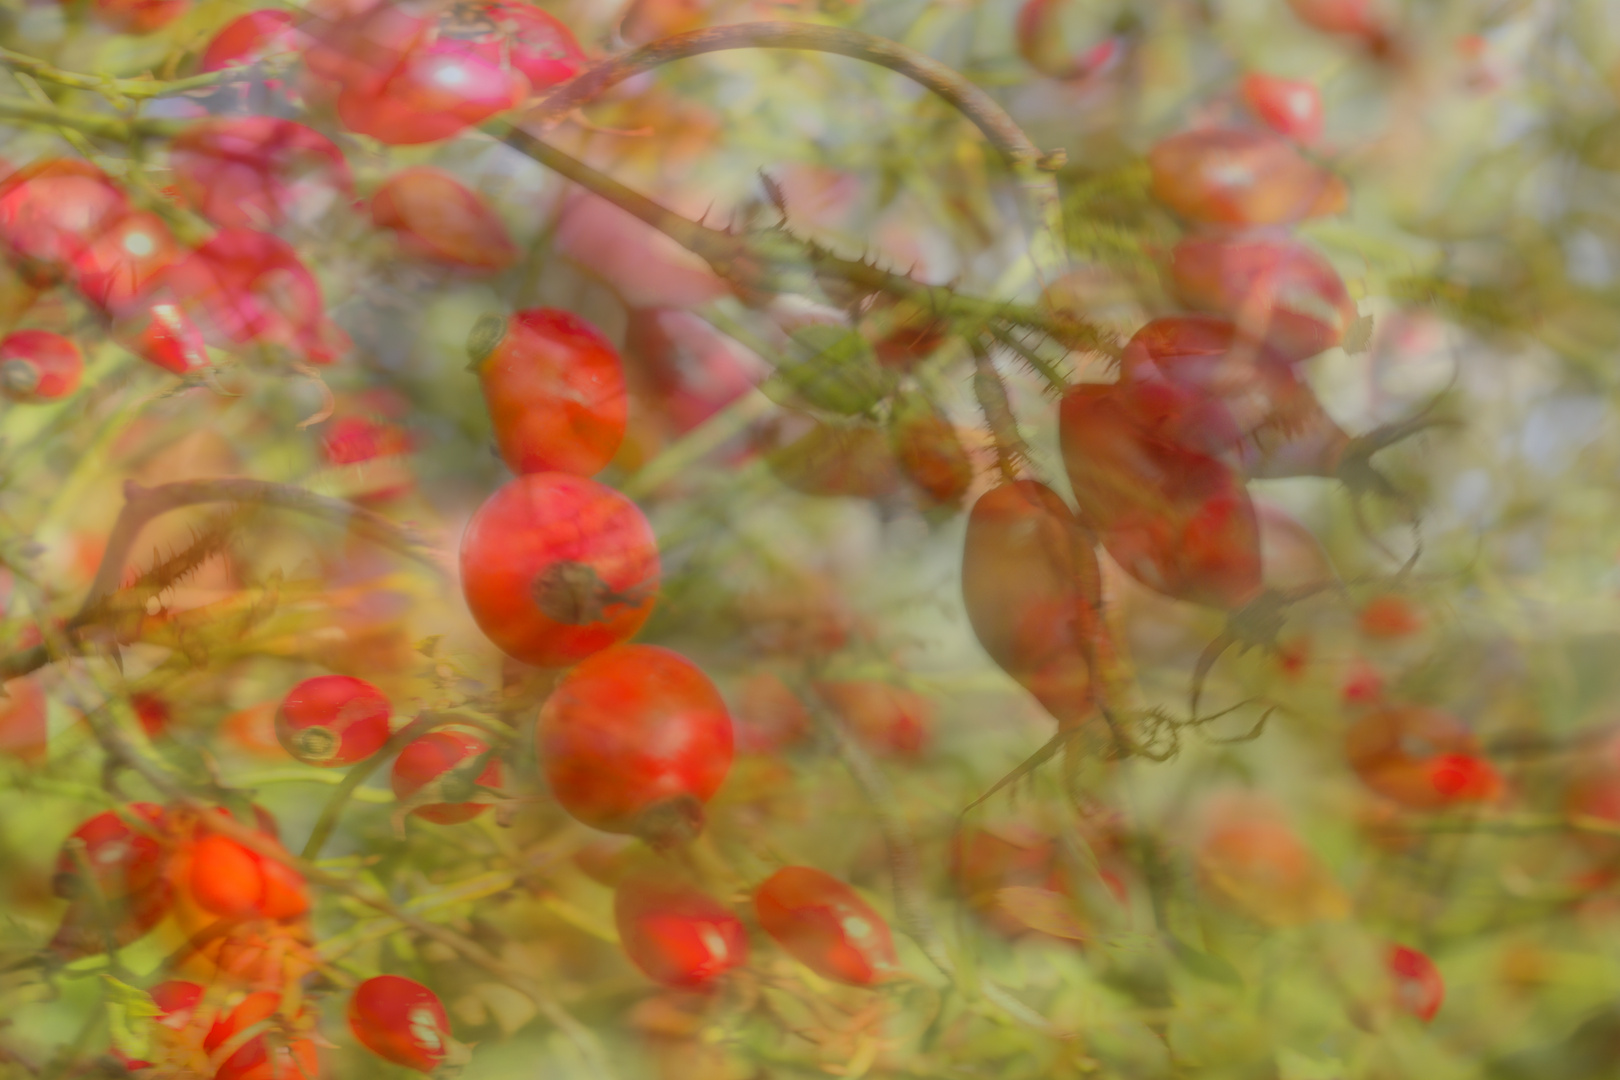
[444, 777]
[635, 740]
[402, 1021]
[557, 567]
[333, 720]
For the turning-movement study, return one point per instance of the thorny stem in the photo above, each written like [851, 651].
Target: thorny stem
[143, 504]
[745, 262]
[1054, 378]
[991, 393]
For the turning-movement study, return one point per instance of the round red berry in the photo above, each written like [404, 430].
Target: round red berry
[37, 365]
[333, 720]
[557, 567]
[676, 934]
[635, 740]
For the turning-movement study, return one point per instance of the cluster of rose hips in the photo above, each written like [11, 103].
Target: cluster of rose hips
[1159, 463]
[171, 275]
[559, 571]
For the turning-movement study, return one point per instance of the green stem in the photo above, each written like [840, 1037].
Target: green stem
[357, 776]
[105, 127]
[120, 88]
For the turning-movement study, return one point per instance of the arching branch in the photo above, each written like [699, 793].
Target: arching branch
[989, 117]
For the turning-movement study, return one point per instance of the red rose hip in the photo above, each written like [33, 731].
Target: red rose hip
[122, 858]
[333, 720]
[825, 925]
[436, 217]
[555, 390]
[230, 879]
[1419, 989]
[556, 567]
[37, 365]
[635, 740]
[676, 934]
[400, 1020]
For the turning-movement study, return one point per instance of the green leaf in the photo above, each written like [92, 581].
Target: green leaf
[1205, 965]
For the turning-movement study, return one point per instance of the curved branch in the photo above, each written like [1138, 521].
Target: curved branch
[1030, 165]
[989, 117]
